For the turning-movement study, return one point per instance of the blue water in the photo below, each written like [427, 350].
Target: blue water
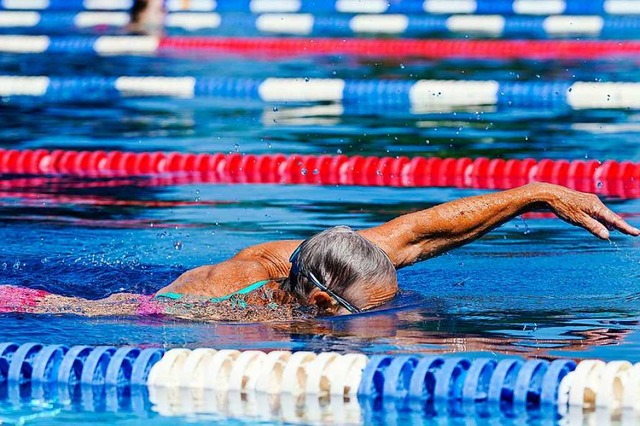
[534, 287]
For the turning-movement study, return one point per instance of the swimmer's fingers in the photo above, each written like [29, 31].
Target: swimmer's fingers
[594, 226]
[608, 218]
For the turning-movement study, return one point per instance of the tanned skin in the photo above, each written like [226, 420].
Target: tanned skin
[409, 239]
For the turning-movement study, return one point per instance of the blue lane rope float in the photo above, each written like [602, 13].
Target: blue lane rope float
[142, 365]
[47, 363]
[449, 380]
[419, 96]
[6, 352]
[510, 385]
[528, 387]
[120, 366]
[526, 7]
[302, 24]
[503, 381]
[21, 366]
[373, 376]
[556, 372]
[476, 383]
[95, 366]
[397, 377]
[72, 364]
[422, 384]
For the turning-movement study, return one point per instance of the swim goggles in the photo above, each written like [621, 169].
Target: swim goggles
[296, 270]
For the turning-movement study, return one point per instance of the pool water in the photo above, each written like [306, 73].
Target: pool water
[536, 287]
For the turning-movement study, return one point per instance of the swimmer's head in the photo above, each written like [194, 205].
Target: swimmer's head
[147, 16]
[350, 267]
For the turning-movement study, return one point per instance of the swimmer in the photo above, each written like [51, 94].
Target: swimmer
[146, 17]
[342, 271]
[337, 271]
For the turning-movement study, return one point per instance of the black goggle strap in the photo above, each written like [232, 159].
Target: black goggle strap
[295, 270]
[342, 302]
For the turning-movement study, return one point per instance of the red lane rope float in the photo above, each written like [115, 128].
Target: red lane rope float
[608, 178]
[441, 49]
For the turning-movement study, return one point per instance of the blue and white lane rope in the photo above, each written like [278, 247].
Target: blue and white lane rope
[410, 25]
[99, 45]
[415, 96]
[503, 7]
[62, 21]
[416, 380]
[344, 25]
[74, 5]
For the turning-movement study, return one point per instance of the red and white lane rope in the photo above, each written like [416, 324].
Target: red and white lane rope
[607, 178]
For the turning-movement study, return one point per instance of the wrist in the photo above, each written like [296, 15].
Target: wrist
[540, 194]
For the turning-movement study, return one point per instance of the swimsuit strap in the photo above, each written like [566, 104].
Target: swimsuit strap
[246, 290]
[243, 291]
[170, 295]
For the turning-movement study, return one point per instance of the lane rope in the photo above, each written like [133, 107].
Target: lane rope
[272, 46]
[256, 380]
[416, 97]
[305, 24]
[608, 178]
[506, 7]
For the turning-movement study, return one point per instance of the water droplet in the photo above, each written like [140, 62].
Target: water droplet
[402, 66]
[177, 245]
[316, 171]
[275, 109]
[599, 184]
[304, 172]
[306, 79]
[378, 172]
[338, 151]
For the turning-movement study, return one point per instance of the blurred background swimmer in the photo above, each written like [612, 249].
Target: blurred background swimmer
[147, 17]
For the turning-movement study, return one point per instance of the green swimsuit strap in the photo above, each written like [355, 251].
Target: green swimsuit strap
[170, 295]
[246, 290]
[242, 291]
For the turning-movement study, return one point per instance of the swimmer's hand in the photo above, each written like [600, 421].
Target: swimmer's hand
[585, 210]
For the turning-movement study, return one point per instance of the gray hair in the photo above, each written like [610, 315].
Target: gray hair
[340, 257]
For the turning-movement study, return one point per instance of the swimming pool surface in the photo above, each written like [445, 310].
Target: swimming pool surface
[535, 287]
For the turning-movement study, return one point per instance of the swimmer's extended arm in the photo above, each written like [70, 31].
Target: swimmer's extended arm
[418, 236]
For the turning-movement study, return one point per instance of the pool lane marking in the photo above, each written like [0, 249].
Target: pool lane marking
[515, 7]
[419, 95]
[431, 48]
[341, 25]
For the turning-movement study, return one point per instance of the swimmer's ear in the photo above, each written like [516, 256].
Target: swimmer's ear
[322, 300]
